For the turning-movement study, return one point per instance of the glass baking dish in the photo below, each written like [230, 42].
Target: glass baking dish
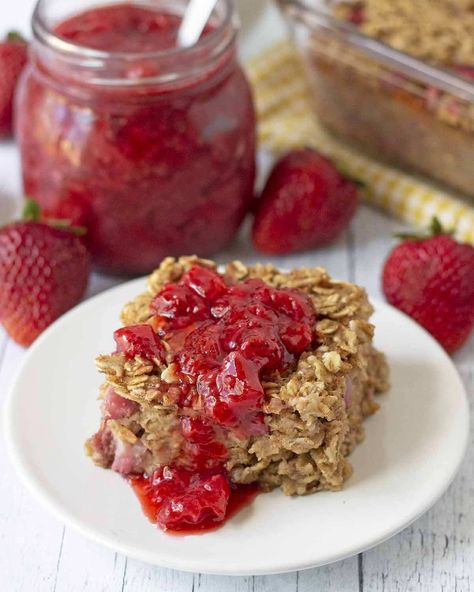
[391, 105]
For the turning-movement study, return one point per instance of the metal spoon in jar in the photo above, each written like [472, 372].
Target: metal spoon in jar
[194, 21]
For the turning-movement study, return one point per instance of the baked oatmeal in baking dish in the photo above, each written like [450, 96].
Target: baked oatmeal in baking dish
[225, 384]
[394, 78]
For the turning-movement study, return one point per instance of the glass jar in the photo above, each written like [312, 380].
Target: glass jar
[149, 146]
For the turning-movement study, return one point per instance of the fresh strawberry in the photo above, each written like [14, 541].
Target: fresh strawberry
[432, 280]
[13, 57]
[44, 270]
[306, 202]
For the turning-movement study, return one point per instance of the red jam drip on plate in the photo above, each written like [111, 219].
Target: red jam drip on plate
[157, 508]
[222, 341]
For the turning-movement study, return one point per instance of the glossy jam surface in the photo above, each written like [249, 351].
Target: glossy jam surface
[155, 507]
[151, 169]
[122, 27]
[221, 341]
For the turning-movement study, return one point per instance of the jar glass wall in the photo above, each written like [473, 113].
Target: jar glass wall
[151, 147]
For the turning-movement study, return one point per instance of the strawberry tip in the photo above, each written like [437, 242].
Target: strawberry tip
[342, 169]
[349, 176]
[66, 225]
[15, 37]
[434, 229]
[31, 211]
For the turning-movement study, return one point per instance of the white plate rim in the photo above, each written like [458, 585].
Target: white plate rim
[33, 483]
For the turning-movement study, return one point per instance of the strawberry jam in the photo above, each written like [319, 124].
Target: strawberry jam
[222, 340]
[149, 146]
[211, 518]
[139, 340]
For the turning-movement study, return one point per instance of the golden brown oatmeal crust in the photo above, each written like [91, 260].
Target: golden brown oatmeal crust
[314, 414]
[439, 31]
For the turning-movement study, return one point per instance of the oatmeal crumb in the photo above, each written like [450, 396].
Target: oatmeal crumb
[439, 31]
[168, 375]
[332, 361]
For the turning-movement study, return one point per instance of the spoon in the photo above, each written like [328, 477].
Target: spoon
[194, 21]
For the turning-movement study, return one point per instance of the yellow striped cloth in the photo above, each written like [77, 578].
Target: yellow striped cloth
[286, 120]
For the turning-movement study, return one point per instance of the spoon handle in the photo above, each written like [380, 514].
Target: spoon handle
[194, 21]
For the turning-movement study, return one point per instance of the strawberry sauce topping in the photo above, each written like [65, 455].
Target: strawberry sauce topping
[139, 340]
[221, 341]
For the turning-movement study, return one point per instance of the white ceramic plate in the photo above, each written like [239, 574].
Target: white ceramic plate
[413, 448]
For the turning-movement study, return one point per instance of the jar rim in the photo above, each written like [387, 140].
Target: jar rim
[44, 34]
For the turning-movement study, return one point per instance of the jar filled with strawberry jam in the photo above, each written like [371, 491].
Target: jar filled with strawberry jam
[149, 145]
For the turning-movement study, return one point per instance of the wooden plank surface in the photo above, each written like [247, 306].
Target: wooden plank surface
[38, 554]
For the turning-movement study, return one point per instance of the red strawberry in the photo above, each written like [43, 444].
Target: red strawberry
[432, 280]
[43, 272]
[13, 57]
[306, 202]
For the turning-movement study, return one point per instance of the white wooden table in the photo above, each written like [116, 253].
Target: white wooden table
[38, 554]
